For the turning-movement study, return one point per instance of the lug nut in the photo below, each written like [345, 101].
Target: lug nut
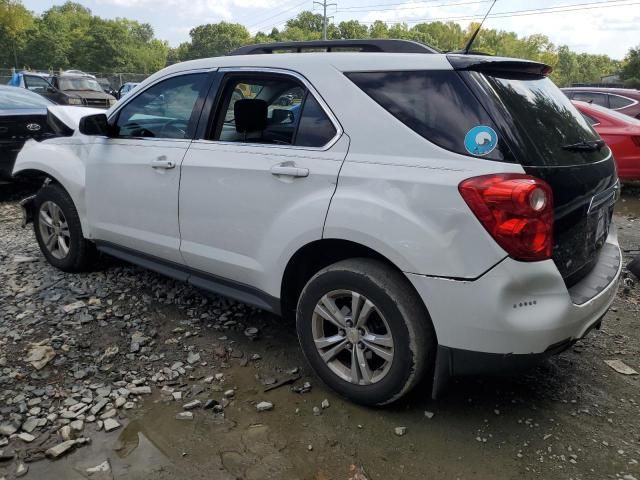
[349, 324]
[362, 332]
[361, 345]
[342, 333]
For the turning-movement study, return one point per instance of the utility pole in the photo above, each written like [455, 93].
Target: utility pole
[324, 6]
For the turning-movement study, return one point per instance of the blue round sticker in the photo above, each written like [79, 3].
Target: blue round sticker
[481, 140]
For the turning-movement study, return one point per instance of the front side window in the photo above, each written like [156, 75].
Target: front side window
[163, 110]
[36, 84]
[592, 97]
[270, 109]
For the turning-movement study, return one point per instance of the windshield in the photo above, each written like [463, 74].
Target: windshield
[540, 120]
[79, 83]
[15, 98]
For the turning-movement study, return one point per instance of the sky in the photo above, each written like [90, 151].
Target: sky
[593, 26]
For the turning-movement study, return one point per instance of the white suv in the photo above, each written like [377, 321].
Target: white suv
[422, 214]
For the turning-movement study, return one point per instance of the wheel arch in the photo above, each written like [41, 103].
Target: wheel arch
[314, 256]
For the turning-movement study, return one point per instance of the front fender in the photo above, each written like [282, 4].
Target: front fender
[62, 160]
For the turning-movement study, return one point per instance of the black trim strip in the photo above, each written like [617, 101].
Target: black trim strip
[199, 279]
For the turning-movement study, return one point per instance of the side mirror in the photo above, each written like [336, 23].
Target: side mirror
[95, 125]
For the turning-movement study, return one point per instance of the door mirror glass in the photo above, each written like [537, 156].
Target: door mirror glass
[94, 125]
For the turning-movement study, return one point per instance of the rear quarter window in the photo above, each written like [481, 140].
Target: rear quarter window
[616, 101]
[435, 104]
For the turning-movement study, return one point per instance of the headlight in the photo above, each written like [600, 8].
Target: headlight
[112, 102]
[75, 101]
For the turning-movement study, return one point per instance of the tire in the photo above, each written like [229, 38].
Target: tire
[79, 253]
[396, 339]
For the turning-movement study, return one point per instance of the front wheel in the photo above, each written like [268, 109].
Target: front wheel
[365, 331]
[58, 231]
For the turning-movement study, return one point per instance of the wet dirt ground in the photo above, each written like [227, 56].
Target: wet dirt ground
[571, 418]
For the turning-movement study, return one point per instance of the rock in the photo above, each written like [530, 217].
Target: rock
[264, 406]
[60, 449]
[229, 394]
[30, 424]
[192, 405]
[5, 456]
[7, 429]
[120, 401]
[40, 355]
[102, 468]
[400, 431]
[317, 411]
[193, 358]
[21, 470]
[177, 396]
[325, 404]
[65, 433]
[26, 437]
[251, 333]
[112, 412]
[77, 425]
[111, 424]
[184, 416]
[429, 414]
[621, 367]
[210, 403]
[145, 390]
[99, 406]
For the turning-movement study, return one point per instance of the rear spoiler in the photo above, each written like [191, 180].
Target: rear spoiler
[481, 63]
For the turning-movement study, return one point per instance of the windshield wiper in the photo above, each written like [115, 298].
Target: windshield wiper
[584, 146]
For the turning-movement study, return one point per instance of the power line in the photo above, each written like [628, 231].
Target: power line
[404, 6]
[521, 13]
[264, 20]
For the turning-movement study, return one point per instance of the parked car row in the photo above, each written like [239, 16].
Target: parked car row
[419, 214]
[623, 100]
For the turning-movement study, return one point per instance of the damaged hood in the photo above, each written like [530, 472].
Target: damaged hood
[70, 115]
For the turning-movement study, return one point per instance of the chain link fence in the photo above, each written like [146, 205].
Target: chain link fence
[114, 79]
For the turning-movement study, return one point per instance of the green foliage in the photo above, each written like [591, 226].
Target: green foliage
[70, 36]
[630, 71]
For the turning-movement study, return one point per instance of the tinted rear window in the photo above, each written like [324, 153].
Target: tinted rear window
[616, 101]
[538, 118]
[437, 105]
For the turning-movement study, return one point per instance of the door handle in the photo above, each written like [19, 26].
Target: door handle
[162, 162]
[289, 169]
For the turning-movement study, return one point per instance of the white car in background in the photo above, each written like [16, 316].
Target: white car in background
[420, 214]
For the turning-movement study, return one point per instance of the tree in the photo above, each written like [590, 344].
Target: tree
[15, 21]
[352, 29]
[630, 72]
[216, 39]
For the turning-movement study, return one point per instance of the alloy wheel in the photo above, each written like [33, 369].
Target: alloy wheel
[54, 230]
[352, 337]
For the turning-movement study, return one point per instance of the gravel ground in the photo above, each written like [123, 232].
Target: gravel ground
[121, 373]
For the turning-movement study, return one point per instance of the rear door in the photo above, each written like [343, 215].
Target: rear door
[554, 142]
[257, 185]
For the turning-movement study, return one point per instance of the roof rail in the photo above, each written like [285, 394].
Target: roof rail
[385, 45]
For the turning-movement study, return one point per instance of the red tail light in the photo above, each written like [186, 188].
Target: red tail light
[516, 209]
[636, 140]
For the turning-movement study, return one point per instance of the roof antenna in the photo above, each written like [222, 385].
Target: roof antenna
[467, 47]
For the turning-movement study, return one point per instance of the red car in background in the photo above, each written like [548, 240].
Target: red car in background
[623, 100]
[621, 133]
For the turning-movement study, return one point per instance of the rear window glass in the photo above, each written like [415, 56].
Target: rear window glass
[591, 97]
[616, 101]
[435, 104]
[541, 119]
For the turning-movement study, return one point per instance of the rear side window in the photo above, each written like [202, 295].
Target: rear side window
[616, 101]
[592, 97]
[435, 104]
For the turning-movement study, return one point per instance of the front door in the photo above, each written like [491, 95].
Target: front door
[133, 179]
[259, 184]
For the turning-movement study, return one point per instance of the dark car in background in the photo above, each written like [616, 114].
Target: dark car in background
[72, 87]
[23, 115]
[624, 100]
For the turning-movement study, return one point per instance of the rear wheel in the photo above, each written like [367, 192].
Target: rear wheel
[58, 231]
[364, 331]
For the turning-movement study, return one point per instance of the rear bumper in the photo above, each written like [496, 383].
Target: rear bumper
[518, 309]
